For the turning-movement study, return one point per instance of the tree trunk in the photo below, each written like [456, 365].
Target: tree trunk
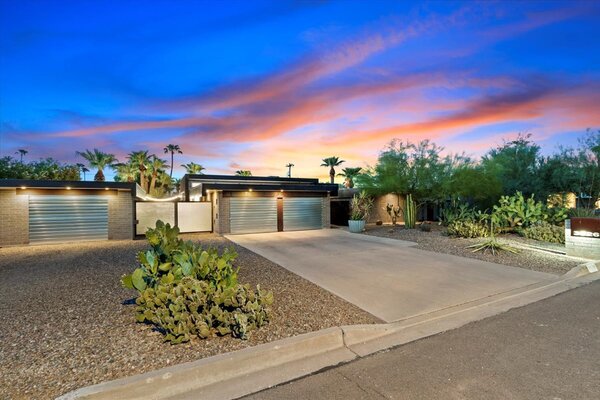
[99, 176]
[332, 174]
[143, 178]
[152, 183]
[171, 173]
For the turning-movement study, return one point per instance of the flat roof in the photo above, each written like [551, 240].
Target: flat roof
[203, 183]
[46, 184]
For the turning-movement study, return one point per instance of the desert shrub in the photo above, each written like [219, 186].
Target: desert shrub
[556, 215]
[468, 229]
[185, 290]
[461, 212]
[516, 211]
[544, 231]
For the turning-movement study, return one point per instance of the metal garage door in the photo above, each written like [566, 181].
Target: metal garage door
[301, 213]
[67, 218]
[252, 214]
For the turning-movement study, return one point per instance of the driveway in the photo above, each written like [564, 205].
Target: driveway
[388, 278]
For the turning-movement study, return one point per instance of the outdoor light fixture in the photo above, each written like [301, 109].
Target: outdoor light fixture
[281, 190]
[250, 189]
[23, 187]
[68, 187]
[105, 188]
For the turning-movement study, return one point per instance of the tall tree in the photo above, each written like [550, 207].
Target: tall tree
[331, 162]
[349, 174]
[100, 160]
[21, 152]
[172, 148]
[405, 168]
[82, 169]
[243, 172]
[140, 159]
[516, 165]
[192, 168]
[157, 166]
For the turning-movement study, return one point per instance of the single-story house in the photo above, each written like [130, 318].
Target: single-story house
[37, 212]
[252, 204]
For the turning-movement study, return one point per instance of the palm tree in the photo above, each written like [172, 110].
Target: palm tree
[22, 152]
[100, 160]
[82, 169]
[126, 172]
[350, 174]
[331, 162]
[243, 172]
[157, 166]
[172, 148]
[193, 168]
[166, 182]
[140, 159]
[289, 167]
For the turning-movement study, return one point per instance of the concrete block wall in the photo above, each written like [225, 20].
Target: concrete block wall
[221, 222]
[326, 212]
[577, 246]
[121, 216]
[14, 218]
[379, 212]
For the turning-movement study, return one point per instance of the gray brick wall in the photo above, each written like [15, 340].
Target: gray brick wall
[326, 213]
[14, 218]
[120, 216]
[577, 246]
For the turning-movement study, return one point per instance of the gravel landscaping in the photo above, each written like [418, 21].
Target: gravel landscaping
[438, 241]
[67, 322]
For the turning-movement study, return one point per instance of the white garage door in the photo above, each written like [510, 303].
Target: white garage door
[54, 218]
[252, 214]
[300, 213]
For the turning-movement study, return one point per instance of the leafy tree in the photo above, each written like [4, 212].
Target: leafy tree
[474, 184]
[193, 168]
[349, 174]
[516, 164]
[242, 172]
[331, 162]
[45, 169]
[98, 159]
[172, 148]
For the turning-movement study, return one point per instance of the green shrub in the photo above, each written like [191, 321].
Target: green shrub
[545, 232]
[581, 212]
[516, 211]
[187, 291]
[468, 229]
[462, 212]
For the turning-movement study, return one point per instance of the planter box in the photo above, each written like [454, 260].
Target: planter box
[356, 226]
[582, 237]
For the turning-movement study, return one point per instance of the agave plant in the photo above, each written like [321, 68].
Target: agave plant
[492, 244]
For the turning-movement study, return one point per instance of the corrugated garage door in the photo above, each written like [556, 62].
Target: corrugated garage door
[301, 213]
[252, 214]
[67, 218]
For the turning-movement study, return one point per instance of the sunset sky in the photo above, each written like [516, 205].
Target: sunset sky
[255, 85]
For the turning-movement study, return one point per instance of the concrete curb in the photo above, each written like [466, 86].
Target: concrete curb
[235, 374]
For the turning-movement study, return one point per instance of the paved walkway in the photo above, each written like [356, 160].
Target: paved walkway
[386, 277]
[546, 350]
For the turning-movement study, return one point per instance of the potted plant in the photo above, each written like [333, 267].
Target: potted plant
[360, 208]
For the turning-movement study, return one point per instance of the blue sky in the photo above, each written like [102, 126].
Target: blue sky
[255, 85]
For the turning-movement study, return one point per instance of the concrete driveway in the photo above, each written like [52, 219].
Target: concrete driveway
[388, 278]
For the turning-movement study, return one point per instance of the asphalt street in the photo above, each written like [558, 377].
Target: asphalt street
[546, 350]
